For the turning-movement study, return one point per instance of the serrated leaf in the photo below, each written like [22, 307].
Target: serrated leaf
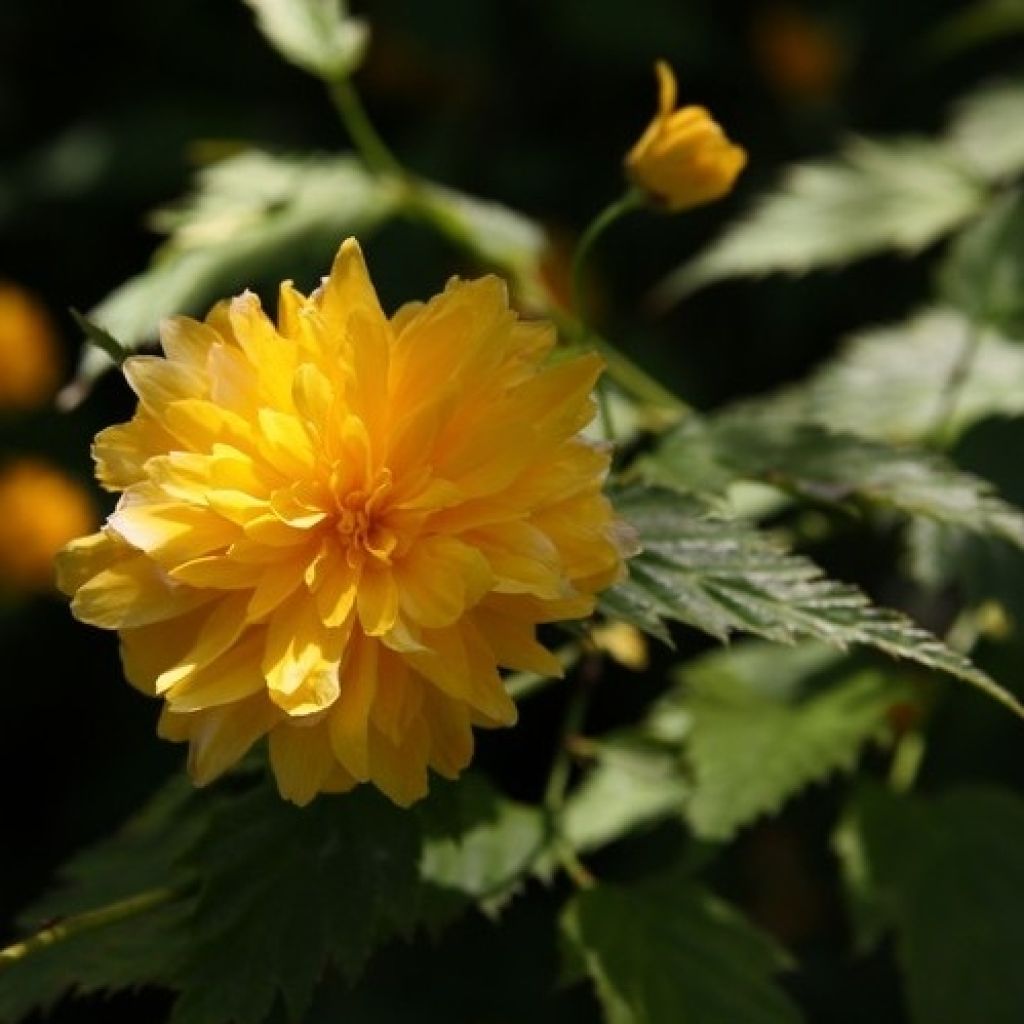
[888, 382]
[766, 721]
[946, 874]
[288, 891]
[251, 218]
[812, 462]
[315, 35]
[665, 951]
[983, 274]
[632, 783]
[724, 576]
[143, 857]
[478, 845]
[987, 128]
[874, 196]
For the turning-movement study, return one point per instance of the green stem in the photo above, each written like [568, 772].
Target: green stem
[906, 762]
[372, 148]
[86, 921]
[572, 724]
[630, 200]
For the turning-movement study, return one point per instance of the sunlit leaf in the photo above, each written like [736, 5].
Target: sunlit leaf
[987, 129]
[724, 576]
[814, 463]
[873, 197]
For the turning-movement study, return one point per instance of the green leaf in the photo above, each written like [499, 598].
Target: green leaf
[478, 845]
[764, 722]
[979, 23]
[315, 35]
[288, 891]
[874, 196]
[983, 275]
[251, 219]
[143, 949]
[946, 873]
[888, 382]
[812, 462]
[665, 951]
[633, 783]
[723, 576]
[987, 130]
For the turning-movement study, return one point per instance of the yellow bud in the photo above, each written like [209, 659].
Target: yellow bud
[29, 358]
[41, 510]
[684, 159]
[622, 643]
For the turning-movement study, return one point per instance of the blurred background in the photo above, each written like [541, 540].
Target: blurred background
[105, 110]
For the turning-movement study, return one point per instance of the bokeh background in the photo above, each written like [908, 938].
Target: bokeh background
[105, 110]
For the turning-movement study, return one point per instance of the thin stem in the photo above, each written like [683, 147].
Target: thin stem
[572, 724]
[86, 921]
[372, 148]
[631, 200]
[906, 762]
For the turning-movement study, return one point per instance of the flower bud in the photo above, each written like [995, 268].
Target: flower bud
[684, 159]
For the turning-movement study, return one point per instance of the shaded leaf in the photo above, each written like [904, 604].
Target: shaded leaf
[764, 722]
[288, 891]
[946, 874]
[316, 35]
[724, 576]
[900, 195]
[665, 951]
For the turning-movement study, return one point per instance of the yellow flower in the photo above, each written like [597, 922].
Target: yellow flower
[684, 159]
[41, 509]
[29, 359]
[334, 530]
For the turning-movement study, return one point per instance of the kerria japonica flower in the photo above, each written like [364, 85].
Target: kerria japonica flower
[334, 531]
[683, 159]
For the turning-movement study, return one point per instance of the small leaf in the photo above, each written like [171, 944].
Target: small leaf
[946, 874]
[478, 846]
[767, 721]
[315, 35]
[633, 782]
[814, 463]
[665, 951]
[723, 576]
[873, 197]
[887, 382]
[983, 274]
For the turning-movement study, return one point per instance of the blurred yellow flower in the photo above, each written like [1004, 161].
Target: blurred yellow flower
[335, 529]
[29, 356]
[41, 509]
[684, 159]
[624, 644]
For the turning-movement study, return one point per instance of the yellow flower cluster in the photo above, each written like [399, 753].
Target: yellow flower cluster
[29, 356]
[683, 159]
[41, 509]
[335, 529]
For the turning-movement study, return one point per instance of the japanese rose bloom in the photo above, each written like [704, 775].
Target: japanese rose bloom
[683, 159]
[334, 530]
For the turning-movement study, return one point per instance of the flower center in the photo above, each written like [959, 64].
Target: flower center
[361, 521]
